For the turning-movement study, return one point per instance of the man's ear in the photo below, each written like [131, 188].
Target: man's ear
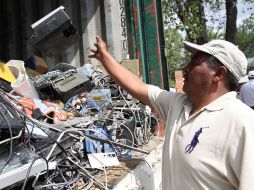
[220, 74]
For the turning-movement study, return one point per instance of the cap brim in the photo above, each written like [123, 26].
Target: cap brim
[194, 48]
[243, 79]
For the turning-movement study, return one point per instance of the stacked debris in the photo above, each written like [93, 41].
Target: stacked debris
[61, 129]
[69, 127]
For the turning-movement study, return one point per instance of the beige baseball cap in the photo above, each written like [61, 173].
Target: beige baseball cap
[227, 53]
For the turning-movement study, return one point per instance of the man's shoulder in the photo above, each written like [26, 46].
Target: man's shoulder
[165, 97]
[238, 109]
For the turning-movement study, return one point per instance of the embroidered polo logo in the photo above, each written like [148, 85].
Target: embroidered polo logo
[190, 147]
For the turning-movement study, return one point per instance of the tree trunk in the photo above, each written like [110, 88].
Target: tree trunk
[196, 23]
[203, 38]
[231, 13]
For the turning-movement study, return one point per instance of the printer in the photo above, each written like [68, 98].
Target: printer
[53, 33]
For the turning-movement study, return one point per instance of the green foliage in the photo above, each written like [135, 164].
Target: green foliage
[245, 36]
[183, 16]
[214, 34]
[176, 56]
[172, 83]
[215, 7]
[182, 19]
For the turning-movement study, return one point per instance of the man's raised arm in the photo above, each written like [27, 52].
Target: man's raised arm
[122, 76]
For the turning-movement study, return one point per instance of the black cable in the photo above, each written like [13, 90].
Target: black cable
[33, 121]
[28, 172]
[9, 126]
[116, 144]
[30, 167]
[47, 164]
[26, 128]
[3, 115]
[68, 174]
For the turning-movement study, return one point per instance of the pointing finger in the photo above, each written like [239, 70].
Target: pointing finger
[98, 38]
[93, 50]
[91, 56]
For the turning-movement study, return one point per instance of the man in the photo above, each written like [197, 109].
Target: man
[210, 133]
[247, 91]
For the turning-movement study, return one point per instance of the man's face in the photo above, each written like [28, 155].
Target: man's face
[197, 75]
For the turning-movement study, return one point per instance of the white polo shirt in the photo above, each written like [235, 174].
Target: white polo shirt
[219, 157]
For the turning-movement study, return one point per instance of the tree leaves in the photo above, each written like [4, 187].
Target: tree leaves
[245, 36]
[187, 19]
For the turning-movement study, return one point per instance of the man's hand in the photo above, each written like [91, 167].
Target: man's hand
[122, 76]
[101, 49]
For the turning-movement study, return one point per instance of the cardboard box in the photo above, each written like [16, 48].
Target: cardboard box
[31, 72]
[37, 63]
[132, 65]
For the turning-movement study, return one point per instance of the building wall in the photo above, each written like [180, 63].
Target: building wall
[179, 81]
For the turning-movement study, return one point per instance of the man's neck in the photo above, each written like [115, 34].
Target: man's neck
[199, 102]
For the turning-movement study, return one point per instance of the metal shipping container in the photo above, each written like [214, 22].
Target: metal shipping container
[133, 29]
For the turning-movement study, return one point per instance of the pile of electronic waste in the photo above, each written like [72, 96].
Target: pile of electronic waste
[69, 128]
[65, 128]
